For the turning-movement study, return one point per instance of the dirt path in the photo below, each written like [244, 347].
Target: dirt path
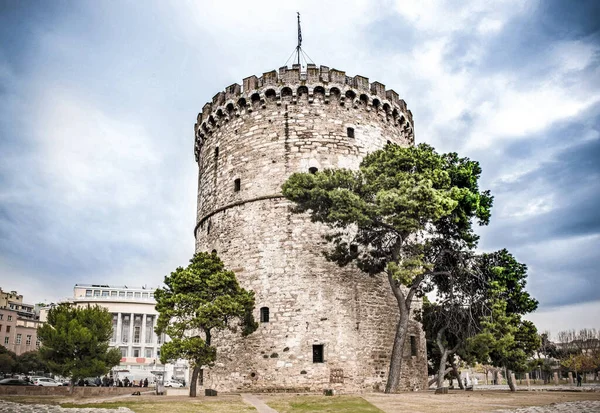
[470, 402]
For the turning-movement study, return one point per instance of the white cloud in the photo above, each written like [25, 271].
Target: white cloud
[569, 317]
[91, 159]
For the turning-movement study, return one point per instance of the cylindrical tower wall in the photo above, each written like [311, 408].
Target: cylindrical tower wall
[247, 145]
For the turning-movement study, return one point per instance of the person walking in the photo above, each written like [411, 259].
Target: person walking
[578, 380]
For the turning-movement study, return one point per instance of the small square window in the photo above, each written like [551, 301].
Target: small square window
[318, 353]
[350, 132]
[237, 185]
[88, 293]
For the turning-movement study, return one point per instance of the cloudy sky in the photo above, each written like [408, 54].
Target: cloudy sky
[98, 100]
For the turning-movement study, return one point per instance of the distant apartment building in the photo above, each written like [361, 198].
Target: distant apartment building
[134, 317]
[18, 323]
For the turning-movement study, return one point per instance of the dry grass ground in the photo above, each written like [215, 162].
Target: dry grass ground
[148, 404]
[321, 404]
[471, 402]
[419, 402]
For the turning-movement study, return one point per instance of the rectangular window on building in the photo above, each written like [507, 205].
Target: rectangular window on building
[129, 294]
[1, 316]
[114, 328]
[125, 329]
[136, 334]
[123, 351]
[122, 294]
[149, 329]
[28, 340]
[96, 293]
[413, 346]
[9, 318]
[18, 341]
[113, 293]
[318, 353]
[138, 294]
[144, 295]
[148, 353]
[105, 293]
[88, 293]
[136, 352]
[37, 342]
[5, 340]
[8, 328]
[159, 339]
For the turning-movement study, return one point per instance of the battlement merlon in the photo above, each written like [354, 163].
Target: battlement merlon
[294, 76]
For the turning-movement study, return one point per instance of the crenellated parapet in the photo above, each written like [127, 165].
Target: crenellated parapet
[292, 86]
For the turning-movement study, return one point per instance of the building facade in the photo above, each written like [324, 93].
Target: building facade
[321, 326]
[18, 323]
[134, 317]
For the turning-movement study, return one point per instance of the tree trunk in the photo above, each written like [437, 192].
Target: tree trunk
[396, 361]
[435, 378]
[457, 374]
[442, 370]
[71, 387]
[194, 381]
[510, 381]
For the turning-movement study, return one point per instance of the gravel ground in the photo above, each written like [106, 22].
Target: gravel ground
[588, 406]
[564, 387]
[10, 407]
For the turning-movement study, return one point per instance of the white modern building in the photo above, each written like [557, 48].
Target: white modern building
[134, 317]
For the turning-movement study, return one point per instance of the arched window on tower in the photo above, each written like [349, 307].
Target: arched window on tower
[264, 314]
[313, 170]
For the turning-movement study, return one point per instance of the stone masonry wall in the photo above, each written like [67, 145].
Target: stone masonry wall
[279, 125]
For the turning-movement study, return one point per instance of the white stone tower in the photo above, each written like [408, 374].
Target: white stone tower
[321, 326]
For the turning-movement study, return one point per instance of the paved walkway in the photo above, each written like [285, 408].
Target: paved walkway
[257, 403]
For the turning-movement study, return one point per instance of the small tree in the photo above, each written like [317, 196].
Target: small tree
[506, 341]
[403, 211]
[7, 363]
[198, 300]
[75, 342]
[31, 361]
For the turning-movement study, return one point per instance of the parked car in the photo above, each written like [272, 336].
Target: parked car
[14, 382]
[172, 383]
[45, 381]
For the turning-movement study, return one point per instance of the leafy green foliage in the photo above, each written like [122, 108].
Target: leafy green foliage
[507, 280]
[31, 361]
[7, 363]
[75, 341]
[197, 300]
[404, 205]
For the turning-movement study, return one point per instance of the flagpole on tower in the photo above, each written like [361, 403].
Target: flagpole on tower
[300, 54]
[299, 38]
